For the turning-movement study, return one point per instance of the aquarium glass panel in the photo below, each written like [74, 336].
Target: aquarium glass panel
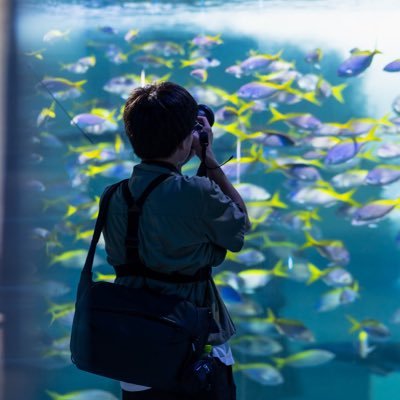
[306, 98]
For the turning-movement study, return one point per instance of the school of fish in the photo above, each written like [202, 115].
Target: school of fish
[271, 123]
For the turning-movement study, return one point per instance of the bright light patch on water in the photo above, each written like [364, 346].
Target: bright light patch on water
[332, 26]
[290, 262]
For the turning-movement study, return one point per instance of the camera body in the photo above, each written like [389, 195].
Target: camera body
[204, 111]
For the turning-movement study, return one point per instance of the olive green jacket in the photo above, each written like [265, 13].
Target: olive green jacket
[187, 223]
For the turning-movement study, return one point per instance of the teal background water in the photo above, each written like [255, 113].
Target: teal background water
[54, 179]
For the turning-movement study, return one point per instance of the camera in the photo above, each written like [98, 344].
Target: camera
[204, 111]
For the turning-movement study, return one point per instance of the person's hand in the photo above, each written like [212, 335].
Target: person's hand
[196, 145]
[206, 128]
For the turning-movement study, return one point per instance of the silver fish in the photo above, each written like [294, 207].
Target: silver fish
[373, 211]
[383, 175]
[262, 373]
[349, 179]
[255, 345]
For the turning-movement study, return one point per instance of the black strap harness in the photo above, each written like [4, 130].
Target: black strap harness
[133, 264]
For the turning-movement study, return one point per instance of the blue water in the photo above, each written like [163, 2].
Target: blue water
[56, 178]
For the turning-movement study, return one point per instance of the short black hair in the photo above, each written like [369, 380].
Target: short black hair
[158, 117]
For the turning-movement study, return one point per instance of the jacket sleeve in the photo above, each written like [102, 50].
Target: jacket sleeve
[224, 221]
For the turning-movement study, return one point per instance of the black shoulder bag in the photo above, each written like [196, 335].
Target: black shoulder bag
[135, 335]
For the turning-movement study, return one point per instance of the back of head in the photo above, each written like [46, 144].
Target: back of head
[158, 117]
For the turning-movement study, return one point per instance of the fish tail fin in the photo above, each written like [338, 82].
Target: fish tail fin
[371, 136]
[94, 215]
[337, 92]
[307, 223]
[276, 115]
[279, 270]
[234, 130]
[347, 197]
[245, 119]
[259, 153]
[217, 39]
[368, 155]
[272, 164]
[385, 120]
[314, 215]
[71, 210]
[267, 242]
[255, 222]
[270, 316]
[118, 144]
[169, 64]
[287, 85]
[315, 273]
[164, 77]
[276, 201]
[93, 170]
[111, 116]
[310, 241]
[255, 135]
[254, 151]
[278, 55]
[356, 286]
[355, 325]
[246, 106]
[53, 314]
[186, 63]
[279, 362]
[233, 98]
[268, 77]
[230, 256]
[99, 276]
[53, 395]
[311, 97]
[79, 84]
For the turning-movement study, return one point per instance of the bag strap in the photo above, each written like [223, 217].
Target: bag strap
[104, 202]
[103, 207]
[134, 211]
[133, 264]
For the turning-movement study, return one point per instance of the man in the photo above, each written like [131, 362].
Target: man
[186, 224]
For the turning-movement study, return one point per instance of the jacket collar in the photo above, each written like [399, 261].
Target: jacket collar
[163, 164]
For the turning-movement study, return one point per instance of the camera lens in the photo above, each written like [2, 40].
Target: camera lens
[205, 111]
